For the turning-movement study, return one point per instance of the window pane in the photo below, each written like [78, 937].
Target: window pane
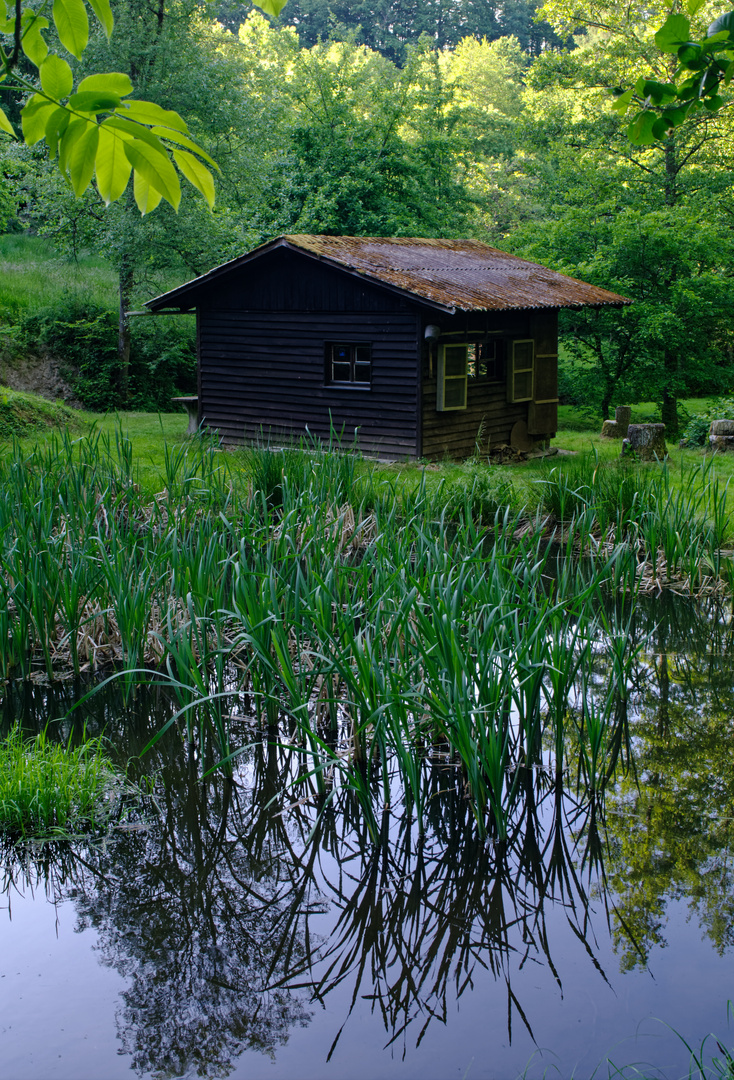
[341, 372]
[362, 373]
[340, 353]
[362, 354]
[523, 355]
[455, 358]
[454, 394]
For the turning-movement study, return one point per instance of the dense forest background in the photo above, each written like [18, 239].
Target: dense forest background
[393, 117]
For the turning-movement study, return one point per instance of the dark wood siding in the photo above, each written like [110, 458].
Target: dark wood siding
[489, 417]
[263, 333]
[264, 373]
[284, 282]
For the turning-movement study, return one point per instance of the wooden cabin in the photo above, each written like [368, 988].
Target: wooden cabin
[404, 347]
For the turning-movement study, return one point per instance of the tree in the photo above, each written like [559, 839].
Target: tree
[704, 68]
[97, 129]
[371, 150]
[604, 210]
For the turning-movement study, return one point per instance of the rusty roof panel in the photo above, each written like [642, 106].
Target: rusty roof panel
[463, 274]
[457, 275]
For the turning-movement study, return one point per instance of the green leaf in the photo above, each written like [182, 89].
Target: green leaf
[82, 159]
[94, 101]
[103, 11]
[112, 82]
[146, 112]
[661, 127]
[156, 168]
[135, 131]
[112, 167]
[640, 130]
[713, 104]
[196, 173]
[72, 25]
[32, 41]
[689, 53]
[657, 92]
[146, 195]
[675, 31]
[56, 125]
[5, 124]
[69, 139]
[184, 140]
[692, 6]
[56, 77]
[677, 116]
[623, 102]
[729, 73]
[271, 7]
[724, 22]
[34, 117]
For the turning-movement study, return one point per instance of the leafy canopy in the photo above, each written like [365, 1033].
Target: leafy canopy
[703, 69]
[98, 131]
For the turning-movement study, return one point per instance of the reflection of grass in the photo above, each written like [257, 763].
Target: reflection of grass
[710, 1061]
[51, 790]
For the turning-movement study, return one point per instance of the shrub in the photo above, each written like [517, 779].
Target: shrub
[83, 336]
[696, 430]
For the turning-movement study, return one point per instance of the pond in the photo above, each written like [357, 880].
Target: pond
[224, 929]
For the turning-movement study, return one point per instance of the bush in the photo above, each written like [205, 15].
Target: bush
[696, 430]
[83, 336]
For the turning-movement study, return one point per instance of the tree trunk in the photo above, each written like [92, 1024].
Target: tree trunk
[606, 402]
[669, 414]
[123, 337]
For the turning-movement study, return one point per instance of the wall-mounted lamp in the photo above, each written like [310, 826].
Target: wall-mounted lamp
[432, 333]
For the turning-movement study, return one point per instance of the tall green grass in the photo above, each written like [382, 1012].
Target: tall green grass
[48, 789]
[386, 639]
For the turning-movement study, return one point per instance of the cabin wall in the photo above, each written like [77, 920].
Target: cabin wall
[490, 416]
[264, 374]
[263, 340]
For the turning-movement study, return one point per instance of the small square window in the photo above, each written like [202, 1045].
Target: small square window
[485, 360]
[350, 364]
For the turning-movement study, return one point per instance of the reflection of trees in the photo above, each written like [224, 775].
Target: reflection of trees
[209, 911]
[205, 916]
[670, 834]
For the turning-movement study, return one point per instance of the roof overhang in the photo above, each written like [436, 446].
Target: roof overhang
[185, 298]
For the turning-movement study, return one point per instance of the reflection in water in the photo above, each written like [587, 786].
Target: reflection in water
[230, 927]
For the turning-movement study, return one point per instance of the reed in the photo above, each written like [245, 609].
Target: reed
[381, 636]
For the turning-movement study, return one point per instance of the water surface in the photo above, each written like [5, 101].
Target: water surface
[208, 936]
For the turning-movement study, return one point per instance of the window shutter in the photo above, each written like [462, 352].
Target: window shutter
[453, 363]
[520, 372]
[543, 411]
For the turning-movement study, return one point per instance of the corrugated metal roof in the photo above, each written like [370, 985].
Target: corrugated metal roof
[457, 275]
[463, 274]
